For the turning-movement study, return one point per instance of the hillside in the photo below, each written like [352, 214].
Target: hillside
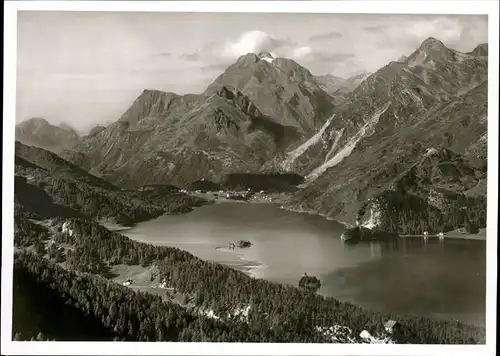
[72, 281]
[388, 101]
[59, 185]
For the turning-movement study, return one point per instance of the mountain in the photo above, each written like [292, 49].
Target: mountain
[256, 109]
[481, 50]
[270, 115]
[95, 130]
[39, 132]
[340, 86]
[281, 88]
[56, 166]
[394, 97]
[435, 100]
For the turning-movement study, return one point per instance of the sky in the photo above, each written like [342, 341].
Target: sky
[86, 68]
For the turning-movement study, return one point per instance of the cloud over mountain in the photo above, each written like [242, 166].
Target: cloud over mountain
[254, 41]
[218, 55]
[114, 56]
[325, 36]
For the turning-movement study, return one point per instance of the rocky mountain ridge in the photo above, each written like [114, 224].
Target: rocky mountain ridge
[252, 113]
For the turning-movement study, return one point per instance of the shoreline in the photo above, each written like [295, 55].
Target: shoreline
[457, 234]
[280, 199]
[239, 263]
[114, 226]
[243, 265]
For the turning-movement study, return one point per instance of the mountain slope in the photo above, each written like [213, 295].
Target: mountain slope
[282, 89]
[270, 115]
[396, 96]
[46, 184]
[382, 162]
[480, 51]
[39, 132]
[164, 138]
[57, 166]
[338, 87]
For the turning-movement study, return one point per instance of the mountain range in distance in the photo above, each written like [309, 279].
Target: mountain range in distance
[40, 133]
[414, 130]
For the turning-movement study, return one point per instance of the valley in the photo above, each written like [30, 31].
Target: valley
[193, 217]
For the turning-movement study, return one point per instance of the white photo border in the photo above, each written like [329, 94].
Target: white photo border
[9, 347]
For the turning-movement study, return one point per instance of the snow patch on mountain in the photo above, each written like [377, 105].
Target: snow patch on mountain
[266, 56]
[365, 130]
[296, 153]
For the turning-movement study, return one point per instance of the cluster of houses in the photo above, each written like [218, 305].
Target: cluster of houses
[246, 195]
[263, 196]
[440, 235]
[163, 284]
[343, 334]
[391, 326]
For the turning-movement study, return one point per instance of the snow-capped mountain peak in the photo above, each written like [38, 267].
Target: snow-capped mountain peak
[266, 56]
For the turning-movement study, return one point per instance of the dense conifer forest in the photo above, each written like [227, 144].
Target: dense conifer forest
[278, 313]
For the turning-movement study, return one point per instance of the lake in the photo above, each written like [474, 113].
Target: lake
[445, 279]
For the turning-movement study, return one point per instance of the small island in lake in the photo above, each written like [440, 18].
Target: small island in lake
[240, 244]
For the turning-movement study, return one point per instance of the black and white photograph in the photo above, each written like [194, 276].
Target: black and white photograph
[263, 178]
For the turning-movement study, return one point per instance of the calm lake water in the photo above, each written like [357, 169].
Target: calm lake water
[445, 279]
